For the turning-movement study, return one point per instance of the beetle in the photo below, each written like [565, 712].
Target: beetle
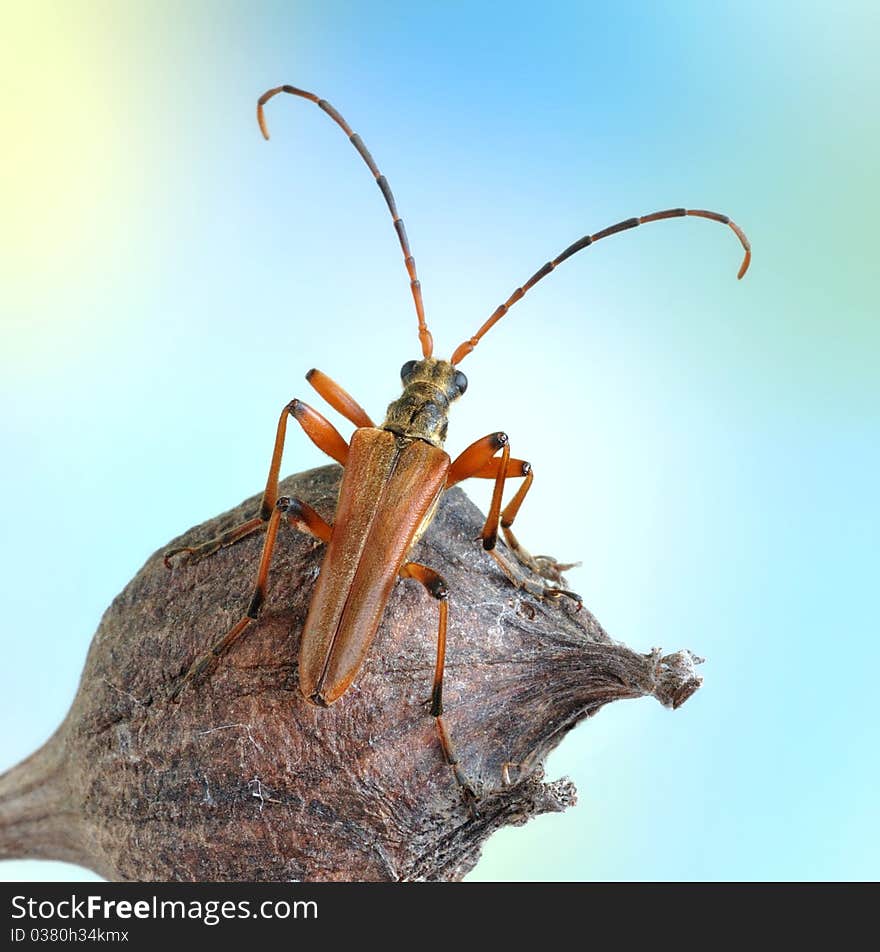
[394, 476]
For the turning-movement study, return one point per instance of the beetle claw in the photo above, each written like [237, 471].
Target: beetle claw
[523, 771]
[547, 567]
[172, 553]
[565, 593]
[471, 800]
[506, 779]
[174, 693]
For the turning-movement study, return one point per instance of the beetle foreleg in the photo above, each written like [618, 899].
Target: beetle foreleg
[502, 468]
[320, 431]
[544, 565]
[520, 580]
[436, 587]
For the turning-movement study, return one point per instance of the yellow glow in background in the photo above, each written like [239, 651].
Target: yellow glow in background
[708, 449]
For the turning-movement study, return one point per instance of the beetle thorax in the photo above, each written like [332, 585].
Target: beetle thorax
[429, 388]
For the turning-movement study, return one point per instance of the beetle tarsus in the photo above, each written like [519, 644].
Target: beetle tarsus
[171, 553]
[196, 671]
[565, 593]
[195, 553]
[546, 566]
[451, 759]
[470, 796]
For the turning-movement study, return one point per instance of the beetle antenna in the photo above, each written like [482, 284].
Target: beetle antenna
[467, 346]
[410, 262]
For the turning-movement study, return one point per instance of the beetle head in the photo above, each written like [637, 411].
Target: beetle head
[429, 387]
[436, 374]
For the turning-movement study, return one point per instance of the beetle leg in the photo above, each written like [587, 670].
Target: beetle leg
[339, 399]
[543, 565]
[519, 579]
[320, 431]
[436, 587]
[475, 458]
[478, 461]
[301, 516]
[197, 552]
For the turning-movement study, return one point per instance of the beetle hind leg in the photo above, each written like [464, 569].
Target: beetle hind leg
[436, 587]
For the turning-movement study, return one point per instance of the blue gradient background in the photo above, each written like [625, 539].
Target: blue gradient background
[708, 449]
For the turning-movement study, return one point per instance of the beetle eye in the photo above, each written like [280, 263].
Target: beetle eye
[460, 381]
[407, 369]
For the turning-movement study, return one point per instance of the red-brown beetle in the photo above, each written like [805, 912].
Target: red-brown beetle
[394, 476]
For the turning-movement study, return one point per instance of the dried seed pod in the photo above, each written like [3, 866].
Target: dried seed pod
[242, 779]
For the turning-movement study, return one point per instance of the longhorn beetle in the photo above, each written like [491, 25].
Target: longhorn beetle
[394, 476]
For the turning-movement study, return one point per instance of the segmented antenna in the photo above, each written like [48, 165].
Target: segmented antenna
[410, 262]
[467, 346]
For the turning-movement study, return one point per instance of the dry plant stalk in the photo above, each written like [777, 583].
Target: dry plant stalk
[242, 779]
